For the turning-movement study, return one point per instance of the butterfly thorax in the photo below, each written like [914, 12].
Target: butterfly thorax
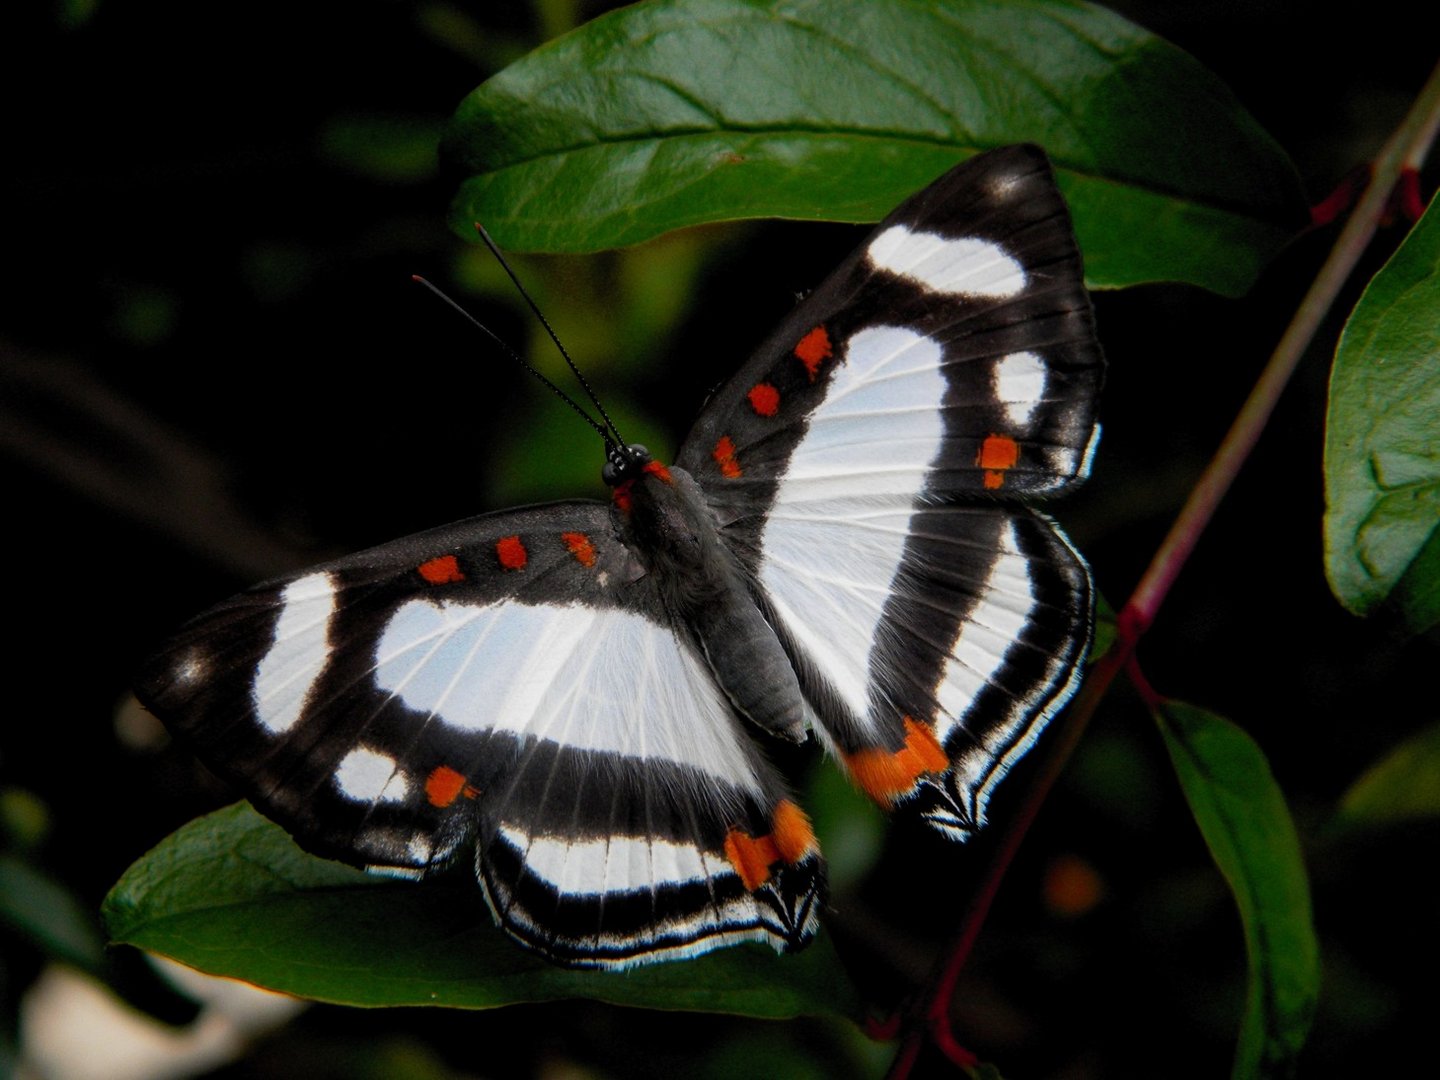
[667, 524]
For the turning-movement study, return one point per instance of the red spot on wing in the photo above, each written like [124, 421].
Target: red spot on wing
[724, 455]
[814, 349]
[580, 546]
[764, 399]
[997, 454]
[789, 840]
[655, 469]
[511, 553]
[441, 571]
[444, 785]
[886, 776]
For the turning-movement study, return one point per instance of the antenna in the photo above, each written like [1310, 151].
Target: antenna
[494, 250]
[612, 441]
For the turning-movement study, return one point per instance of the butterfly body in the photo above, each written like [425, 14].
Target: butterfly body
[581, 694]
[664, 518]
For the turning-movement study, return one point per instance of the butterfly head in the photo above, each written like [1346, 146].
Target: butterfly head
[624, 463]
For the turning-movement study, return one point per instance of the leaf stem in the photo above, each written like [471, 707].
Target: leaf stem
[1410, 141]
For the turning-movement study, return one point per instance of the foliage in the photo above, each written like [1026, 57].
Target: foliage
[707, 110]
[1382, 472]
[231, 893]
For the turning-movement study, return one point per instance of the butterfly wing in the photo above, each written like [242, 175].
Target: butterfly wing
[866, 463]
[509, 683]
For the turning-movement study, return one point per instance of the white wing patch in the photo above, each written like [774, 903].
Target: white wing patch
[589, 679]
[1000, 614]
[636, 865]
[828, 570]
[299, 653]
[1088, 458]
[835, 535]
[614, 864]
[965, 266]
[879, 426]
[1019, 384]
[988, 634]
[367, 775]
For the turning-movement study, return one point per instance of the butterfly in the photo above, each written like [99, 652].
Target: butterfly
[578, 695]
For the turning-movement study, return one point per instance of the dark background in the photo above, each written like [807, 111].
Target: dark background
[213, 368]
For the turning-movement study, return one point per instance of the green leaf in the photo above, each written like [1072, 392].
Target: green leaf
[1246, 825]
[677, 112]
[231, 894]
[1402, 786]
[43, 910]
[1382, 440]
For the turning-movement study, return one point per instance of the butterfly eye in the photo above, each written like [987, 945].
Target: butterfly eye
[623, 461]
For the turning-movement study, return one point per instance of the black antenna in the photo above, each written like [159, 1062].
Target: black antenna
[611, 442]
[494, 250]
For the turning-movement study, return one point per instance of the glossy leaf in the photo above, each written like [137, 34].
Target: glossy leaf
[1402, 786]
[1243, 817]
[1382, 440]
[231, 894]
[676, 112]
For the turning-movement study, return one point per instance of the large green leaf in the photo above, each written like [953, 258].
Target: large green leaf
[1382, 439]
[676, 112]
[1245, 822]
[231, 894]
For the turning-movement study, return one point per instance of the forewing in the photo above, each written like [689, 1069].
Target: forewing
[952, 353]
[866, 463]
[510, 683]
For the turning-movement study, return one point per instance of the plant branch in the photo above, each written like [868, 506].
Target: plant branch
[1409, 143]
[1404, 149]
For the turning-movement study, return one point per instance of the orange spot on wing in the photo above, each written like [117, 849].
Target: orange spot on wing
[751, 856]
[444, 785]
[655, 469]
[789, 840]
[886, 776]
[764, 399]
[997, 453]
[724, 455]
[511, 553]
[790, 828]
[813, 350]
[580, 546]
[441, 571]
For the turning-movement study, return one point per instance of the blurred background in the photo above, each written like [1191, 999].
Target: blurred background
[214, 368]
